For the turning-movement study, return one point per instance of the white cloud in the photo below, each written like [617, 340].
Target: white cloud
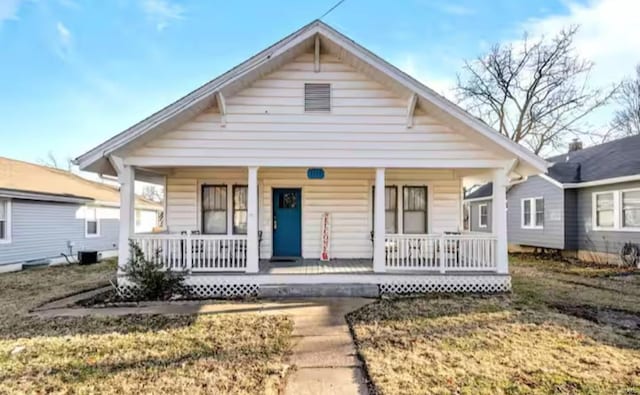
[608, 35]
[9, 9]
[64, 45]
[162, 12]
[456, 9]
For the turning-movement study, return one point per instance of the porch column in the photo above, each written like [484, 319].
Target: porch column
[252, 221]
[499, 223]
[126, 178]
[378, 222]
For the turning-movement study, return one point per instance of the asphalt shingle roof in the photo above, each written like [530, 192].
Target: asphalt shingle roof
[616, 158]
[482, 191]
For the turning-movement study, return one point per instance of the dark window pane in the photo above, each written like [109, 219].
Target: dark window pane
[92, 227]
[3, 225]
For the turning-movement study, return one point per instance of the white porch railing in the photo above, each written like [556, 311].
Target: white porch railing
[444, 253]
[195, 253]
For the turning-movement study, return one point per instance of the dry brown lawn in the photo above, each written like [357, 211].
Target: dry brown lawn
[564, 330]
[131, 354]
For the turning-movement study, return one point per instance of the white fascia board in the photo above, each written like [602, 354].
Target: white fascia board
[479, 199]
[553, 181]
[45, 197]
[606, 181]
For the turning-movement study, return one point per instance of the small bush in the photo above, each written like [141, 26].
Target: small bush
[151, 281]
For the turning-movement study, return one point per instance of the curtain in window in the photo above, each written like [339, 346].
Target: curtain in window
[631, 209]
[604, 210]
[415, 210]
[240, 209]
[214, 209]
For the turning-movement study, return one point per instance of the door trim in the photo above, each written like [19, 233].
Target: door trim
[273, 208]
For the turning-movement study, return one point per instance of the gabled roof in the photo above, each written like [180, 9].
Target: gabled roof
[483, 191]
[26, 180]
[273, 57]
[617, 158]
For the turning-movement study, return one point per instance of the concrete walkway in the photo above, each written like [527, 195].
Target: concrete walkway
[323, 350]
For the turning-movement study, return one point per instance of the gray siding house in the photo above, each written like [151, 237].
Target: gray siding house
[478, 210]
[587, 204]
[46, 212]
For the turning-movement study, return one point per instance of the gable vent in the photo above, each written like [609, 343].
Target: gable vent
[317, 97]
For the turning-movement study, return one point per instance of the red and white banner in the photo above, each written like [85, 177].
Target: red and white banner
[324, 223]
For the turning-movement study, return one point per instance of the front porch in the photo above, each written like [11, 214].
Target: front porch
[396, 229]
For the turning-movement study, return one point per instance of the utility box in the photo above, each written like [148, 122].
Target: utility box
[87, 257]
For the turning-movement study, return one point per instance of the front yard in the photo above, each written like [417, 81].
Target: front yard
[130, 354]
[565, 330]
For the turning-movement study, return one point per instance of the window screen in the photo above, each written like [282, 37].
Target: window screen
[214, 209]
[604, 210]
[240, 209]
[415, 210]
[390, 208]
[631, 209]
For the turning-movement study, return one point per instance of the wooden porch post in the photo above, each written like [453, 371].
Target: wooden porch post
[252, 221]
[499, 222]
[378, 222]
[126, 178]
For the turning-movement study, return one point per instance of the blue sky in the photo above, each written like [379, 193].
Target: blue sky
[73, 72]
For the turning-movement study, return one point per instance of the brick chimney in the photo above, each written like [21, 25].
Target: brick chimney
[575, 145]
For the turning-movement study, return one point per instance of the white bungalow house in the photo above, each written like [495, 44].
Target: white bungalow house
[317, 162]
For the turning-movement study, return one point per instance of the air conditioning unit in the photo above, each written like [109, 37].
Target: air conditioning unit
[87, 257]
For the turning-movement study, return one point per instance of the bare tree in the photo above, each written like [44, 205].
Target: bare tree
[535, 93]
[51, 160]
[626, 120]
[153, 193]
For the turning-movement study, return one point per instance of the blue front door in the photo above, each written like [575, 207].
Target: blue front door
[287, 223]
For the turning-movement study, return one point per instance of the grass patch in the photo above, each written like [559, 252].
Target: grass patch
[535, 341]
[130, 354]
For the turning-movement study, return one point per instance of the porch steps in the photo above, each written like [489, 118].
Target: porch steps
[318, 290]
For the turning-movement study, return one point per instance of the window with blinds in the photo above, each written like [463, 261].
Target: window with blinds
[317, 97]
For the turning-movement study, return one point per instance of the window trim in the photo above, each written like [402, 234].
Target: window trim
[618, 211]
[233, 207]
[86, 223]
[426, 209]
[532, 213]
[480, 207]
[226, 215]
[7, 238]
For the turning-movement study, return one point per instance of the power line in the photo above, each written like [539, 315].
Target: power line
[332, 8]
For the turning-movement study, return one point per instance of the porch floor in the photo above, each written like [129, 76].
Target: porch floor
[315, 266]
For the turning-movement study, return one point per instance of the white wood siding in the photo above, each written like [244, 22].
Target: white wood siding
[266, 125]
[345, 193]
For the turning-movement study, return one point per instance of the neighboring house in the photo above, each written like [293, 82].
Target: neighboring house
[588, 204]
[477, 209]
[314, 149]
[47, 212]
